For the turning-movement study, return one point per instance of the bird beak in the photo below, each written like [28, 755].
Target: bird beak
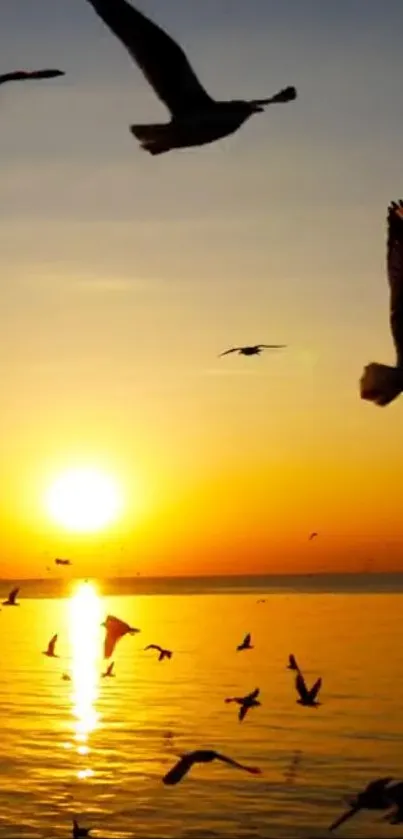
[347, 815]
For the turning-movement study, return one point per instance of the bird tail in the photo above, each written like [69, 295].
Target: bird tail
[380, 384]
[287, 94]
[155, 138]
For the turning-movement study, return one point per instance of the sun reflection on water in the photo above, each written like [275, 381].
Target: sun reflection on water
[84, 622]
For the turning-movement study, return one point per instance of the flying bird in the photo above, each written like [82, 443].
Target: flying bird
[50, 652]
[109, 671]
[66, 677]
[255, 350]
[292, 663]
[196, 118]
[312, 536]
[26, 75]
[162, 653]
[375, 796]
[59, 561]
[246, 643]
[307, 697]
[246, 702]
[381, 383]
[79, 832]
[115, 629]
[201, 756]
[12, 598]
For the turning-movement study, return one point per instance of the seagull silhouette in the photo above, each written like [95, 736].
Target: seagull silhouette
[115, 629]
[312, 536]
[380, 383]
[50, 652]
[109, 671]
[375, 796]
[59, 561]
[292, 663]
[196, 118]
[12, 598]
[26, 75]
[307, 697]
[162, 653]
[201, 756]
[245, 702]
[79, 832]
[246, 643]
[255, 350]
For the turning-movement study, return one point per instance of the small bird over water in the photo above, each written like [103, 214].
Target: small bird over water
[59, 561]
[255, 350]
[246, 643]
[312, 536]
[201, 756]
[380, 383]
[307, 697]
[12, 598]
[245, 702]
[26, 75]
[375, 796]
[196, 118]
[79, 832]
[292, 663]
[109, 671]
[162, 653]
[115, 629]
[50, 652]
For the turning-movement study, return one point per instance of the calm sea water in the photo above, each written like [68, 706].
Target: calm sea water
[97, 748]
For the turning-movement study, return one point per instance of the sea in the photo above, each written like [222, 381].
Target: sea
[96, 749]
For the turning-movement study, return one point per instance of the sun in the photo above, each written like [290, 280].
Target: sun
[84, 500]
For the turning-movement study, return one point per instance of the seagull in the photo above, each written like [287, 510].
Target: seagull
[162, 653]
[246, 702]
[115, 629]
[25, 75]
[201, 756]
[375, 796]
[292, 663]
[12, 598]
[380, 383]
[59, 561]
[256, 350]
[307, 697]
[109, 671]
[79, 832]
[196, 118]
[261, 600]
[66, 677]
[50, 652]
[246, 643]
[312, 536]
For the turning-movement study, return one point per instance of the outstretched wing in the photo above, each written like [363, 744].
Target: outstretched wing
[23, 75]
[247, 639]
[160, 58]
[13, 595]
[395, 274]
[252, 769]
[301, 686]
[52, 644]
[315, 689]
[254, 694]
[227, 352]
[178, 771]
[242, 712]
[292, 661]
[153, 647]
[271, 346]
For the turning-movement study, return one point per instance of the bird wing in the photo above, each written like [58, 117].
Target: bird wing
[180, 769]
[252, 769]
[115, 629]
[247, 639]
[153, 647]
[242, 712]
[227, 352]
[254, 694]
[292, 661]
[271, 346]
[301, 686]
[13, 595]
[22, 75]
[315, 689]
[395, 273]
[160, 58]
[51, 645]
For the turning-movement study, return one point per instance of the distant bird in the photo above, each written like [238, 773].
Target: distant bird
[312, 536]
[381, 383]
[375, 796]
[50, 652]
[256, 350]
[26, 75]
[109, 671]
[246, 643]
[79, 832]
[245, 702]
[115, 629]
[307, 697]
[201, 756]
[66, 677]
[292, 663]
[12, 598]
[59, 561]
[196, 118]
[261, 600]
[162, 653]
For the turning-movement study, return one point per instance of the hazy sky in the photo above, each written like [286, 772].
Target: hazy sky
[123, 276]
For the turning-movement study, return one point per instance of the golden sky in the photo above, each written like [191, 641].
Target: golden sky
[122, 278]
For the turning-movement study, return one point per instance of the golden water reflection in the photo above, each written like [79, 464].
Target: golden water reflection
[84, 623]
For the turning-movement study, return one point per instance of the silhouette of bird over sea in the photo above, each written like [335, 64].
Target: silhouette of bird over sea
[79, 832]
[59, 561]
[307, 697]
[312, 536]
[255, 350]
[12, 598]
[50, 652]
[109, 671]
[162, 653]
[245, 702]
[196, 118]
[380, 383]
[201, 756]
[115, 629]
[292, 663]
[66, 677]
[246, 643]
[375, 796]
[26, 75]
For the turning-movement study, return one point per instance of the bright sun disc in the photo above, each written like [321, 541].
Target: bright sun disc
[84, 500]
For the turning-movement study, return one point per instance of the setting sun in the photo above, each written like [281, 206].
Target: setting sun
[84, 500]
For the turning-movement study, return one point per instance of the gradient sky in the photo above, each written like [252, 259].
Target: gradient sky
[123, 276]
